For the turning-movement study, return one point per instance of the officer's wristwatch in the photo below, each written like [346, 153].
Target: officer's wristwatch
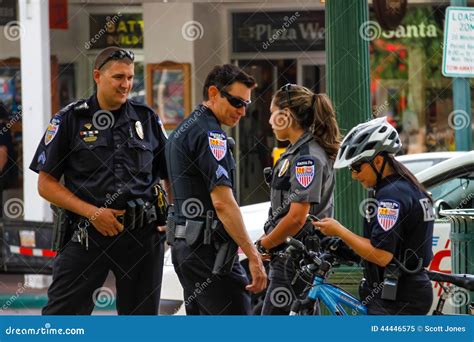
[260, 248]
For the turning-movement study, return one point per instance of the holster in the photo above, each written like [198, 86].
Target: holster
[226, 250]
[194, 232]
[61, 224]
[391, 277]
[161, 203]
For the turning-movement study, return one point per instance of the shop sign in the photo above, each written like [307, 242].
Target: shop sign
[278, 31]
[117, 29]
[458, 55]
[7, 11]
[421, 30]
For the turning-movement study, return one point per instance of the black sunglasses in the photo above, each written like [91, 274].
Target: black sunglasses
[356, 167]
[235, 101]
[116, 55]
[286, 88]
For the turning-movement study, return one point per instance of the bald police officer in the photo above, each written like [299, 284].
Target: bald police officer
[110, 151]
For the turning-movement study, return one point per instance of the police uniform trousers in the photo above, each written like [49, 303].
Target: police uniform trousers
[136, 259]
[280, 293]
[414, 297]
[205, 293]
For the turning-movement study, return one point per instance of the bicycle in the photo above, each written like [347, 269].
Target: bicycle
[317, 267]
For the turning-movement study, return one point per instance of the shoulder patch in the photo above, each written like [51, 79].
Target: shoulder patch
[52, 129]
[42, 158]
[387, 214]
[304, 171]
[221, 171]
[218, 144]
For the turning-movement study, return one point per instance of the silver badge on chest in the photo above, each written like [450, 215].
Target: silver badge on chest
[139, 129]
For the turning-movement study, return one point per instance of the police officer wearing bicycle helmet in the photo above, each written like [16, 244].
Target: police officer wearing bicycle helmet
[398, 228]
[302, 183]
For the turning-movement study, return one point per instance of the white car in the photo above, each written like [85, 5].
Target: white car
[421, 161]
[450, 181]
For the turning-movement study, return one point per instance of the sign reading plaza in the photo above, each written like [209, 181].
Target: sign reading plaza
[458, 56]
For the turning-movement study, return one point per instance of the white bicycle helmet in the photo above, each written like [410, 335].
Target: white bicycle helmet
[367, 140]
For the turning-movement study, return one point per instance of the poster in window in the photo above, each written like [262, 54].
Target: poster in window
[169, 91]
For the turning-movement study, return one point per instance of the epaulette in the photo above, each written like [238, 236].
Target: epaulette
[141, 104]
[80, 105]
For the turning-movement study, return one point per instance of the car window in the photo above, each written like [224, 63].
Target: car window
[416, 166]
[457, 192]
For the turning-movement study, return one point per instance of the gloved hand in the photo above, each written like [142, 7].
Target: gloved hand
[338, 248]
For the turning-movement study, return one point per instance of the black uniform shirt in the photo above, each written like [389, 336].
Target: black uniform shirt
[106, 158]
[199, 159]
[403, 220]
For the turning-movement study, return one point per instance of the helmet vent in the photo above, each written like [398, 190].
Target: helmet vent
[393, 135]
[382, 129]
[361, 138]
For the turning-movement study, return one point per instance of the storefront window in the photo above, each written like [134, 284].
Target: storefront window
[407, 84]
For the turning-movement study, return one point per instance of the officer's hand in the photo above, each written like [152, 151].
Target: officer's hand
[105, 221]
[328, 226]
[258, 274]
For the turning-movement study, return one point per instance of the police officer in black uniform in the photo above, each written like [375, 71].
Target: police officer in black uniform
[302, 183]
[398, 229]
[110, 151]
[207, 218]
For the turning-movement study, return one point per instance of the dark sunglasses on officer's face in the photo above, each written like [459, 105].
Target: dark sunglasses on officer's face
[235, 101]
[355, 167]
[116, 55]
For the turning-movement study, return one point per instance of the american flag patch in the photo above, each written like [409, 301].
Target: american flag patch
[304, 171]
[387, 214]
[218, 144]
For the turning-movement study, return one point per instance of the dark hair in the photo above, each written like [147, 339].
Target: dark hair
[223, 76]
[105, 53]
[401, 170]
[313, 112]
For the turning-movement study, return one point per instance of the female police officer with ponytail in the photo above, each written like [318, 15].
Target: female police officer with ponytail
[398, 234]
[302, 181]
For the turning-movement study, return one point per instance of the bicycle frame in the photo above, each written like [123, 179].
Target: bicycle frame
[334, 298]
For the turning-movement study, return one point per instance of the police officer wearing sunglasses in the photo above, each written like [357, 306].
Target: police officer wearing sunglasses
[110, 153]
[302, 183]
[398, 228]
[207, 227]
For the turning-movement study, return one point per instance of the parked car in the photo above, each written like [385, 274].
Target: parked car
[450, 180]
[421, 161]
